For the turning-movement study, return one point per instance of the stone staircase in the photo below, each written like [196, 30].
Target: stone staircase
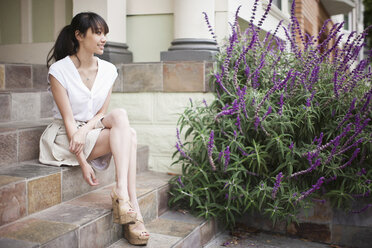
[45, 206]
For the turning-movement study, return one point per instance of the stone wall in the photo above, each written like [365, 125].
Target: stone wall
[323, 223]
[154, 95]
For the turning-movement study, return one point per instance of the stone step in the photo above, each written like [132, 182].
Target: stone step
[23, 76]
[176, 229]
[19, 141]
[25, 105]
[30, 187]
[85, 221]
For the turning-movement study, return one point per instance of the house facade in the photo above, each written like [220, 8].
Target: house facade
[156, 30]
[150, 40]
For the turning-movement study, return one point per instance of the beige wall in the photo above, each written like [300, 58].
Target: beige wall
[154, 116]
[29, 27]
[32, 53]
[148, 35]
[42, 21]
[10, 21]
[146, 7]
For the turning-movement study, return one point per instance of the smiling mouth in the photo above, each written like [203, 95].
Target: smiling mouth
[101, 46]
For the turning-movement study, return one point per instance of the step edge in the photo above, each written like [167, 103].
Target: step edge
[60, 171]
[20, 125]
[77, 226]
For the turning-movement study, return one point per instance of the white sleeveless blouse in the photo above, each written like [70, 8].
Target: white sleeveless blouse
[85, 103]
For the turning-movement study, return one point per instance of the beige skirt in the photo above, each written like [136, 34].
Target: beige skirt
[54, 146]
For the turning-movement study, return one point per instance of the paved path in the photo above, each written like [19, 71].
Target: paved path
[262, 240]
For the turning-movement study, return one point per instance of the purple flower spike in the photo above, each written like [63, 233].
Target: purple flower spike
[246, 70]
[265, 14]
[227, 157]
[312, 190]
[180, 182]
[355, 154]
[312, 167]
[237, 123]
[210, 28]
[205, 103]
[310, 99]
[257, 122]
[362, 172]
[281, 103]
[210, 150]
[227, 184]
[331, 179]
[253, 12]
[184, 154]
[291, 146]
[362, 210]
[219, 82]
[349, 113]
[267, 113]
[178, 137]
[366, 194]
[277, 184]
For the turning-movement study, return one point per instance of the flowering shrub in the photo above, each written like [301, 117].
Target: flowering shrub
[289, 126]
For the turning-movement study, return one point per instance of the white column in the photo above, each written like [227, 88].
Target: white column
[189, 20]
[59, 17]
[192, 38]
[26, 21]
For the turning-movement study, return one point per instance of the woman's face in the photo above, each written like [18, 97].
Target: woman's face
[92, 42]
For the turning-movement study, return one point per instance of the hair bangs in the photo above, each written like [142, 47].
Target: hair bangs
[97, 23]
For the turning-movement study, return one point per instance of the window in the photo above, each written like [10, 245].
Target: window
[278, 3]
[346, 20]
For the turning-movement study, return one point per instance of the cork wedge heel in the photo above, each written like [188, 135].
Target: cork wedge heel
[123, 210]
[136, 237]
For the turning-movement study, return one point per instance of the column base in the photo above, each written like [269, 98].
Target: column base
[117, 53]
[190, 50]
[188, 55]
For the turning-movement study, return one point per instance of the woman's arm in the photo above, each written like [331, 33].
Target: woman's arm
[77, 139]
[63, 104]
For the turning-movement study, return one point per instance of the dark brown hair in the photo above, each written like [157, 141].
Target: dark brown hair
[66, 43]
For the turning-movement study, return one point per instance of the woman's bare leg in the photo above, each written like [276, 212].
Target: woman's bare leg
[105, 140]
[132, 179]
[118, 140]
[132, 168]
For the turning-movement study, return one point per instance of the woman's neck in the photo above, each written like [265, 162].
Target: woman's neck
[85, 60]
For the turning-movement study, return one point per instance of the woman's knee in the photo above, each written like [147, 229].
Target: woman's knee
[119, 117]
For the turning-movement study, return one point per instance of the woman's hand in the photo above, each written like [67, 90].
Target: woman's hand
[77, 141]
[89, 175]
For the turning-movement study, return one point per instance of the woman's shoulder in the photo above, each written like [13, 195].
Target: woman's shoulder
[60, 64]
[108, 66]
